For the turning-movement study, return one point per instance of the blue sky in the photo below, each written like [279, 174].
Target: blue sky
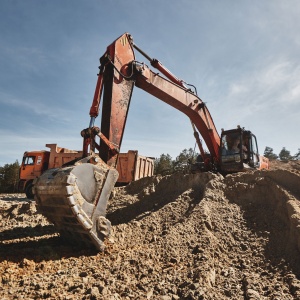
[243, 57]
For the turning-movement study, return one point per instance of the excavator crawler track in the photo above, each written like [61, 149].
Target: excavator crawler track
[75, 198]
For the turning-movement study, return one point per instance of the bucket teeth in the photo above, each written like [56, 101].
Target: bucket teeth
[75, 198]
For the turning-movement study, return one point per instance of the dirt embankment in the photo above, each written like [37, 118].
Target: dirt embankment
[197, 236]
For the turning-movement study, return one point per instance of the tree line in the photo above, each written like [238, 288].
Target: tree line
[284, 154]
[9, 177]
[164, 165]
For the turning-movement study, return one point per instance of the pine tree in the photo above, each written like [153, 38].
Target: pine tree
[297, 155]
[285, 154]
[269, 153]
[9, 176]
[163, 165]
[181, 162]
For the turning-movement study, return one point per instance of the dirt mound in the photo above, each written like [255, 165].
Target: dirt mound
[287, 165]
[199, 236]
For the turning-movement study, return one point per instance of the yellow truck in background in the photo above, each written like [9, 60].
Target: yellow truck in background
[131, 166]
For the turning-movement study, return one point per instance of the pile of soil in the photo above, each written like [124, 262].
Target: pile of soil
[196, 236]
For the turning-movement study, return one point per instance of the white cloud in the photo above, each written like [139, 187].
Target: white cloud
[271, 85]
[38, 108]
[237, 89]
[295, 94]
[274, 74]
[25, 59]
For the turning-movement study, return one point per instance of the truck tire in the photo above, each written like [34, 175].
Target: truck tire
[29, 192]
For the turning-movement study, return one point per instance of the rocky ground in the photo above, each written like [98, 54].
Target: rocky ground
[198, 236]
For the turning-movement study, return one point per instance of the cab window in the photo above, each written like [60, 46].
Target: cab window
[230, 144]
[28, 160]
[254, 152]
[254, 145]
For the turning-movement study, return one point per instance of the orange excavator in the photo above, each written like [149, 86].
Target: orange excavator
[75, 197]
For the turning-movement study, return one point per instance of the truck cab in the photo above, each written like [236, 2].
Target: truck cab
[34, 163]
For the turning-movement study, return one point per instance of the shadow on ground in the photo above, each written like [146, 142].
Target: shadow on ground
[40, 243]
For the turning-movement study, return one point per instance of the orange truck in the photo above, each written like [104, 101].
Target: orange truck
[131, 166]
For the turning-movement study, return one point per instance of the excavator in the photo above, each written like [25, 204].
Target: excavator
[74, 197]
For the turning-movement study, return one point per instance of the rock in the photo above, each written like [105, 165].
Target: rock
[26, 263]
[83, 274]
[165, 297]
[95, 294]
[252, 295]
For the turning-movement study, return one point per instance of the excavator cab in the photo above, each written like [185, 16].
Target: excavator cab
[238, 151]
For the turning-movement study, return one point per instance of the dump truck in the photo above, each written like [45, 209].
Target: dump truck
[74, 198]
[131, 166]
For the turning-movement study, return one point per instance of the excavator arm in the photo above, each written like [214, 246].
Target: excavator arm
[75, 197]
[119, 72]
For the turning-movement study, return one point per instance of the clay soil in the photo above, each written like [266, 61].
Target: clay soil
[201, 236]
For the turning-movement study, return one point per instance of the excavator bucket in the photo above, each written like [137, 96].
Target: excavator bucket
[75, 198]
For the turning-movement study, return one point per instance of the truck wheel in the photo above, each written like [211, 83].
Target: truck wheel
[29, 192]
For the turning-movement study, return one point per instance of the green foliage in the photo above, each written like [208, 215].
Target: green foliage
[297, 155]
[183, 160]
[163, 165]
[285, 154]
[9, 177]
[269, 153]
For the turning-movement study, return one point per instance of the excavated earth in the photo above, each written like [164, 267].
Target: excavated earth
[201, 236]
